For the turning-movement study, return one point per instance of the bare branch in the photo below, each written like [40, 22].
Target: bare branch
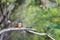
[1, 37]
[40, 34]
[50, 37]
[26, 29]
[12, 29]
[11, 6]
[9, 9]
[6, 14]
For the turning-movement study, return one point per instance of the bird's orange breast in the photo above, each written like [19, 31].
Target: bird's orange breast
[19, 25]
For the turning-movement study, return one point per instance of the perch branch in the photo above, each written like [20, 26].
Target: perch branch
[27, 29]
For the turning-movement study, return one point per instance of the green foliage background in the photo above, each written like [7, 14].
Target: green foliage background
[41, 18]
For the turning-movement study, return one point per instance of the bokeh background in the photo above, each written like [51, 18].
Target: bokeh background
[45, 18]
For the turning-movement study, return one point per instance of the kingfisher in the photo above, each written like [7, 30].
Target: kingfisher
[20, 24]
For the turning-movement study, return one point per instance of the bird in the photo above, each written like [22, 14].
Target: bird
[19, 25]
